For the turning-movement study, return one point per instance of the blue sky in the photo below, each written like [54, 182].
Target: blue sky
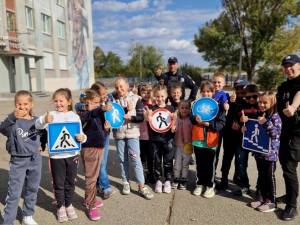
[167, 24]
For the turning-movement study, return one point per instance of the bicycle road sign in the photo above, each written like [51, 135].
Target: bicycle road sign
[206, 108]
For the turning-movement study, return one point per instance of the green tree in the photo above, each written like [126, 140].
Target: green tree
[193, 71]
[269, 78]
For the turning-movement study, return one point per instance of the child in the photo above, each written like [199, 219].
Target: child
[96, 129]
[176, 94]
[63, 166]
[249, 110]
[266, 163]
[24, 144]
[232, 129]
[205, 141]
[161, 144]
[183, 144]
[127, 137]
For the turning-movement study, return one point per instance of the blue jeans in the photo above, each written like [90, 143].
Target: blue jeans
[130, 147]
[103, 181]
[242, 157]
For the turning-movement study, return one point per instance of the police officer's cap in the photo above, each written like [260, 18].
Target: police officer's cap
[172, 59]
[291, 59]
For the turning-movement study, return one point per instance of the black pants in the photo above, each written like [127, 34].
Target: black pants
[161, 155]
[205, 161]
[219, 148]
[230, 145]
[289, 156]
[64, 172]
[146, 155]
[266, 170]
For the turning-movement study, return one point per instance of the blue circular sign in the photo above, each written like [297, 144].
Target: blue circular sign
[206, 108]
[115, 115]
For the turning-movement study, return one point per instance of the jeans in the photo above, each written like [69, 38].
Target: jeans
[242, 157]
[130, 148]
[103, 181]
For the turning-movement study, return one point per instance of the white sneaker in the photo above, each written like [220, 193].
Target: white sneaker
[210, 192]
[28, 220]
[126, 188]
[198, 190]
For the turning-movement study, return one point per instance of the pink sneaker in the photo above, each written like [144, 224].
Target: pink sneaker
[257, 203]
[94, 214]
[98, 203]
[62, 215]
[71, 213]
[158, 187]
[167, 187]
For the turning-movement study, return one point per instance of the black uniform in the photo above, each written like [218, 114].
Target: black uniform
[289, 151]
[182, 80]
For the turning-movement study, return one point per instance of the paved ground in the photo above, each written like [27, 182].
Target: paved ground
[179, 207]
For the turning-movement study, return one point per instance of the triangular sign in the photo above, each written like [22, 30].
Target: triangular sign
[64, 141]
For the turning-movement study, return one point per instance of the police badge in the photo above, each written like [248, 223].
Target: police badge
[287, 95]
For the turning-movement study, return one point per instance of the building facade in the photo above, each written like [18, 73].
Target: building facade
[45, 45]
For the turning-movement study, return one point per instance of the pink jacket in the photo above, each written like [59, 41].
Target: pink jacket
[183, 133]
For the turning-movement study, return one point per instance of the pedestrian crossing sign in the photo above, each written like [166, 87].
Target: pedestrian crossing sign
[256, 138]
[61, 137]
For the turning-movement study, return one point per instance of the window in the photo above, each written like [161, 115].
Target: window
[60, 2]
[46, 24]
[63, 62]
[29, 17]
[61, 29]
[10, 17]
[48, 60]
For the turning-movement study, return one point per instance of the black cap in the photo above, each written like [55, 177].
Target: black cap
[173, 59]
[291, 59]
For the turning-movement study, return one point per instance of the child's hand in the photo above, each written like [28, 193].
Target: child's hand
[233, 97]
[175, 115]
[126, 117]
[243, 129]
[289, 110]
[79, 137]
[262, 119]
[198, 119]
[244, 118]
[148, 114]
[49, 118]
[206, 124]
[173, 129]
[40, 149]
[106, 125]
[169, 103]
[158, 72]
[108, 106]
[134, 90]
[19, 114]
[129, 106]
[226, 106]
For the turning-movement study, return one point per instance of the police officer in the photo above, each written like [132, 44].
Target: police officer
[175, 77]
[289, 151]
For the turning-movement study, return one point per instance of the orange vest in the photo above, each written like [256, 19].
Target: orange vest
[212, 137]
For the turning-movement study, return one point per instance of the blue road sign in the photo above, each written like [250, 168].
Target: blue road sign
[256, 138]
[115, 116]
[206, 108]
[61, 137]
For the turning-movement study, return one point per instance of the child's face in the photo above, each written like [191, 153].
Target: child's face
[240, 91]
[219, 83]
[160, 96]
[184, 109]
[251, 97]
[24, 103]
[176, 94]
[146, 95]
[93, 104]
[206, 92]
[103, 95]
[61, 103]
[121, 88]
[264, 103]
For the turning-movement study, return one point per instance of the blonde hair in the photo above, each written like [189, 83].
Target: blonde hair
[159, 87]
[88, 94]
[121, 78]
[144, 87]
[219, 74]
[175, 87]
[65, 92]
[273, 102]
[98, 86]
[24, 93]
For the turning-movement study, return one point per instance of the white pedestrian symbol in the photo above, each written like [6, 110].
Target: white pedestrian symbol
[255, 133]
[115, 115]
[64, 141]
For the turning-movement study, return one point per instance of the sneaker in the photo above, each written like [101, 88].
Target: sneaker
[94, 214]
[242, 191]
[146, 193]
[268, 206]
[281, 199]
[158, 187]
[99, 189]
[182, 186]
[28, 220]
[209, 193]
[198, 190]
[192, 161]
[71, 213]
[126, 188]
[167, 187]
[108, 193]
[62, 215]
[257, 203]
[98, 203]
[289, 213]
[174, 185]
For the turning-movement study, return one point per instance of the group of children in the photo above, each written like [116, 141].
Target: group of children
[147, 149]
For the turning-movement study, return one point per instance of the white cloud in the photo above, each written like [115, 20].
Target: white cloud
[161, 4]
[116, 6]
[182, 44]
